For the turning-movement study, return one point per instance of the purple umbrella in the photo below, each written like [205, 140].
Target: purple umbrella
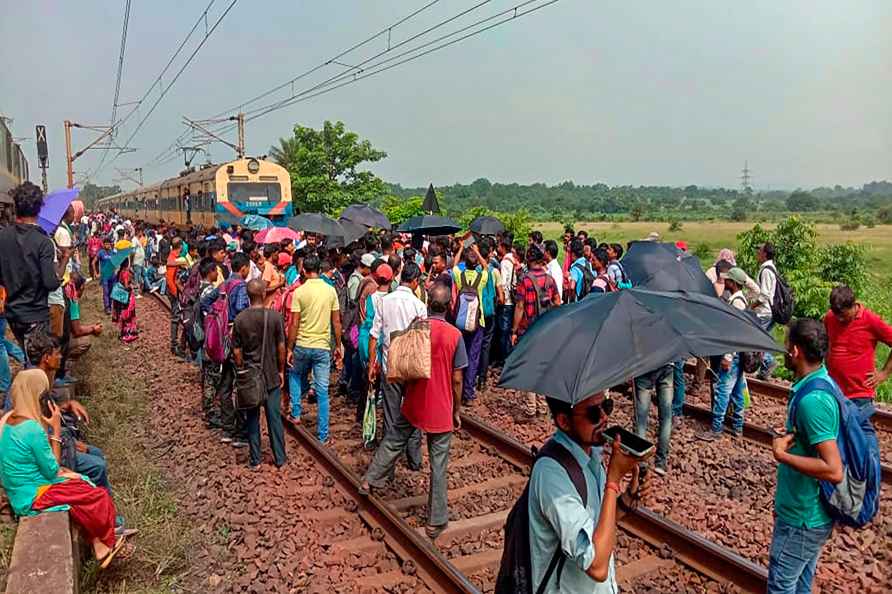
[54, 206]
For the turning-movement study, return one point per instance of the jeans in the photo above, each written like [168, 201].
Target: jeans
[7, 349]
[393, 401]
[659, 381]
[729, 385]
[273, 408]
[473, 345]
[107, 284]
[679, 388]
[359, 385]
[489, 332]
[505, 319]
[92, 464]
[231, 419]
[395, 441]
[139, 275]
[767, 358]
[794, 557]
[319, 361]
[865, 406]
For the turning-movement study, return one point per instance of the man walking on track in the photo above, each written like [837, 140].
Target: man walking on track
[258, 338]
[430, 405]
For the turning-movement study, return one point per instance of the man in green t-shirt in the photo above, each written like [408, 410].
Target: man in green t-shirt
[806, 454]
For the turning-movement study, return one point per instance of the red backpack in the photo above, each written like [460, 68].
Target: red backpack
[217, 339]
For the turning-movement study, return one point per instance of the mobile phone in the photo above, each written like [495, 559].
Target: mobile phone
[630, 442]
[45, 404]
[469, 242]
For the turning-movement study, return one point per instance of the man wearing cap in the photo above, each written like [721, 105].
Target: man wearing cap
[730, 383]
[359, 273]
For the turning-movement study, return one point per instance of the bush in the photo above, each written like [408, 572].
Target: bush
[703, 252]
[399, 209]
[843, 264]
[674, 225]
[850, 225]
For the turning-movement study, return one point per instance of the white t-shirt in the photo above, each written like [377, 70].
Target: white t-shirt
[557, 273]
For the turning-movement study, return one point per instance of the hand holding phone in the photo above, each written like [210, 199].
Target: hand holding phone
[630, 443]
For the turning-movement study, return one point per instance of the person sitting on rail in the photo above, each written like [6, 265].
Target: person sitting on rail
[558, 517]
[806, 454]
[854, 331]
[32, 476]
[432, 406]
[76, 334]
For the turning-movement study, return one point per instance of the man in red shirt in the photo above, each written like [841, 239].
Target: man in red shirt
[854, 332]
[431, 405]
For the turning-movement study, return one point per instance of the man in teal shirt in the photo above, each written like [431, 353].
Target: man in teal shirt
[806, 455]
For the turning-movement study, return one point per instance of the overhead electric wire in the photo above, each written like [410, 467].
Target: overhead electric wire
[158, 79]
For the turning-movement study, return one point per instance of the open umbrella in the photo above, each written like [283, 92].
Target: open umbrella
[663, 267]
[312, 222]
[110, 266]
[430, 225]
[486, 226]
[580, 349]
[276, 235]
[255, 222]
[351, 231]
[54, 206]
[366, 215]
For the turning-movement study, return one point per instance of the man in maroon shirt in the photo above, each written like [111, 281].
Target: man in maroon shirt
[431, 405]
[854, 332]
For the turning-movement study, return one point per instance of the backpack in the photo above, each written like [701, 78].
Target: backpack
[623, 282]
[467, 317]
[856, 499]
[216, 326]
[784, 299]
[543, 303]
[516, 568]
[588, 279]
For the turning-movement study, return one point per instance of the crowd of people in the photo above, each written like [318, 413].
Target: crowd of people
[277, 326]
[45, 462]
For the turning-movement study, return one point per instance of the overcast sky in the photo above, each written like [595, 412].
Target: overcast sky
[621, 92]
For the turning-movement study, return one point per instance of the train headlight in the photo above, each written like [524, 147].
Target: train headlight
[253, 166]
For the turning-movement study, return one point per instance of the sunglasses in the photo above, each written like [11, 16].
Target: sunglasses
[593, 413]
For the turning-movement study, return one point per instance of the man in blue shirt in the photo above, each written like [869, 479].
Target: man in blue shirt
[232, 420]
[579, 270]
[584, 530]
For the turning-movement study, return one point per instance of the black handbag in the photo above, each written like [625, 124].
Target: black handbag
[250, 384]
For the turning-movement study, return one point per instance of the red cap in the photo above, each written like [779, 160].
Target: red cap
[682, 245]
[284, 259]
[384, 273]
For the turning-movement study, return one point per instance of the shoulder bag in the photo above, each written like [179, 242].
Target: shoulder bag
[250, 383]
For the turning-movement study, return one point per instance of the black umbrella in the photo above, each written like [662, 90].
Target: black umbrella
[350, 232]
[430, 225]
[664, 267]
[312, 222]
[366, 215]
[430, 205]
[486, 226]
[580, 349]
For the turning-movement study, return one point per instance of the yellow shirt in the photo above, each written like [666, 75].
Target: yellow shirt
[314, 301]
[123, 244]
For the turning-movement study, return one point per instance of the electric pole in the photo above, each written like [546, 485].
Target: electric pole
[240, 149]
[205, 136]
[70, 158]
[745, 179]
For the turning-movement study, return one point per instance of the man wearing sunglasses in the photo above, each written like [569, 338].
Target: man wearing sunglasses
[584, 530]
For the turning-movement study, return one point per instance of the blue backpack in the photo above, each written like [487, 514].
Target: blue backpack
[854, 501]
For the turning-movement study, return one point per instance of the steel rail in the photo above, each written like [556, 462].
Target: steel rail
[758, 434]
[690, 548]
[881, 419]
[417, 554]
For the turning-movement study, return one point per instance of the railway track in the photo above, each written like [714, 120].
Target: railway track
[446, 567]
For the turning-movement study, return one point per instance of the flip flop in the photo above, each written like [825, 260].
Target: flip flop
[119, 544]
[433, 532]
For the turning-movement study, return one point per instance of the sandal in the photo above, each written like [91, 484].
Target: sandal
[105, 561]
[433, 532]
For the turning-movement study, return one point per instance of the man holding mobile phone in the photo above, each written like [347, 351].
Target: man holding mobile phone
[559, 518]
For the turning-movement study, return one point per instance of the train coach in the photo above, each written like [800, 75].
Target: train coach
[211, 196]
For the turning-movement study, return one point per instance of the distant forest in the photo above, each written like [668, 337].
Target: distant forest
[567, 201]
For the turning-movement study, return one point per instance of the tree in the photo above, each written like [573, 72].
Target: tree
[800, 201]
[90, 193]
[323, 165]
[399, 209]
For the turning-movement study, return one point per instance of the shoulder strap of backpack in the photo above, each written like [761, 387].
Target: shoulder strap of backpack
[554, 450]
[477, 279]
[816, 384]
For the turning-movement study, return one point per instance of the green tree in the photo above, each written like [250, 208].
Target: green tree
[800, 201]
[399, 209]
[90, 193]
[324, 167]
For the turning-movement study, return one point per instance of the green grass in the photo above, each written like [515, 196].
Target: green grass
[119, 409]
[710, 236]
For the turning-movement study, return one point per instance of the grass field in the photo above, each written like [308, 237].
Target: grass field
[720, 234]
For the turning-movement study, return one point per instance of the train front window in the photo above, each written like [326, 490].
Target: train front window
[254, 192]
